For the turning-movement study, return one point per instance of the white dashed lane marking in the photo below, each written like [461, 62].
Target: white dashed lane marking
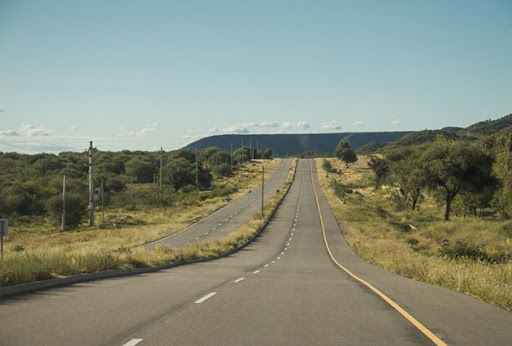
[241, 279]
[256, 272]
[132, 342]
[206, 297]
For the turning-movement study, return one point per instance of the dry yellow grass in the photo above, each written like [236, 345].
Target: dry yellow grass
[91, 254]
[149, 223]
[370, 220]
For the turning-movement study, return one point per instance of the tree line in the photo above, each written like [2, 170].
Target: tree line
[466, 178]
[31, 185]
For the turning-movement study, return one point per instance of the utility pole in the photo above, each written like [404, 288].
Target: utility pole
[102, 203]
[250, 148]
[63, 220]
[172, 184]
[262, 187]
[197, 175]
[91, 188]
[161, 160]
[131, 191]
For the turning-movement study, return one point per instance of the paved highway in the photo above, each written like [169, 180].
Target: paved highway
[284, 288]
[229, 218]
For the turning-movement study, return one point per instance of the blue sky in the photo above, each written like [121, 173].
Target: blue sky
[143, 74]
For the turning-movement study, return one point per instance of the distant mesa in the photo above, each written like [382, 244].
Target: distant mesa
[292, 144]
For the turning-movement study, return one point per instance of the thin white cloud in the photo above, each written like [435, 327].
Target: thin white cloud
[236, 128]
[266, 124]
[148, 129]
[395, 122]
[358, 123]
[331, 125]
[10, 133]
[214, 130]
[196, 136]
[298, 125]
[74, 128]
[32, 130]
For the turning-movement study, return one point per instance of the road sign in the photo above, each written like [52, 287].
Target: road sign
[4, 223]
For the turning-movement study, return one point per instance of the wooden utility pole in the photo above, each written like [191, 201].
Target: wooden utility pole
[250, 148]
[91, 188]
[161, 160]
[102, 203]
[197, 175]
[172, 184]
[262, 187]
[63, 219]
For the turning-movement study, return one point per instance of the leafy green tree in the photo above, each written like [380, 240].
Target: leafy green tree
[181, 172]
[342, 145]
[327, 165]
[140, 168]
[222, 170]
[267, 154]
[452, 167]
[500, 147]
[345, 153]
[380, 167]
[409, 175]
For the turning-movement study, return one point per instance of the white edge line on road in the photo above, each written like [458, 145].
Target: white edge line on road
[256, 271]
[241, 279]
[132, 342]
[208, 296]
[266, 265]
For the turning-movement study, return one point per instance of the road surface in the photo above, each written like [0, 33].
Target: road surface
[284, 288]
[229, 218]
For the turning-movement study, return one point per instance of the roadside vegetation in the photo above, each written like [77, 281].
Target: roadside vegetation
[437, 213]
[37, 249]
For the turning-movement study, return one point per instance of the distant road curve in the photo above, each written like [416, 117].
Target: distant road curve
[230, 217]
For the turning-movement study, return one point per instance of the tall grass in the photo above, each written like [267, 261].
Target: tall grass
[22, 267]
[469, 255]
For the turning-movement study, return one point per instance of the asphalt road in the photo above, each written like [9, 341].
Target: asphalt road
[284, 288]
[229, 218]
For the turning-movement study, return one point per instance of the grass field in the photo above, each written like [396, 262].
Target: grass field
[469, 255]
[35, 255]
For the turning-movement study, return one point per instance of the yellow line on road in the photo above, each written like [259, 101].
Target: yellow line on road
[436, 340]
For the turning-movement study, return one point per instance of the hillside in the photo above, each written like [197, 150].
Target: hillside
[488, 127]
[291, 144]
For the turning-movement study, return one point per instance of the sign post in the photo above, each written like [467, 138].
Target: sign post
[4, 223]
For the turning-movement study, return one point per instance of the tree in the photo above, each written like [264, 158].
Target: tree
[327, 166]
[140, 168]
[451, 167]
[267, 153]
[183, 173]
[380, 167]
[410, 177]
[345, 153]
[500, 147]
[340, 147]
